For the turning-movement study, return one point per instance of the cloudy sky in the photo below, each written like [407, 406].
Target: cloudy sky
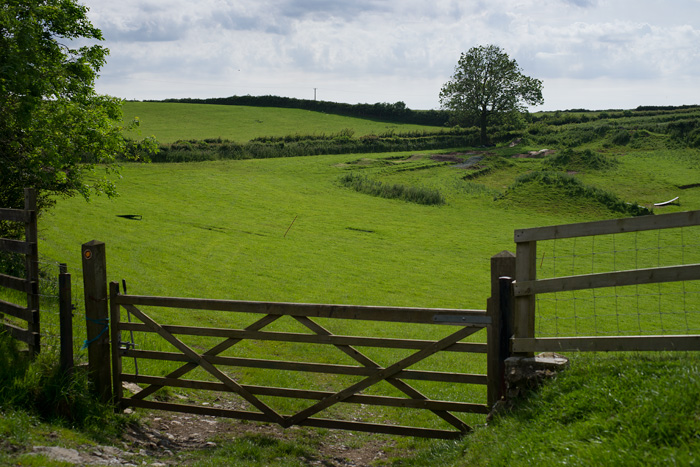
[594, 54]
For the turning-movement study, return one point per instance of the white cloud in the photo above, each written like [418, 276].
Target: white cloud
[388, 50]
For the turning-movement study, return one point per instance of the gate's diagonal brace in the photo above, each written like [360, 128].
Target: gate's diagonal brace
[221, 347]
[379, 376]
[397, 383]
[199, 359]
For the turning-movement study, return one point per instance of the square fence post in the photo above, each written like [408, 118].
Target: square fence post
[66, 318]
[500, 329]
[32, 271]
[97, 318]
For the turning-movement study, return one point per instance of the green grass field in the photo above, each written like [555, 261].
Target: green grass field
[287, 230]
[170, 122]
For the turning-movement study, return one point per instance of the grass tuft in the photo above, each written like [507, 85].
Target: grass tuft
[256, 450]
[411, 194]
[45, 391]
[570, 160]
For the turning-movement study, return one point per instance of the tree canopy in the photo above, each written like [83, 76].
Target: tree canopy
[486, 86]
[55, 130]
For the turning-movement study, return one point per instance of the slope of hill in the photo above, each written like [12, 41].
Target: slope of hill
[170, 122]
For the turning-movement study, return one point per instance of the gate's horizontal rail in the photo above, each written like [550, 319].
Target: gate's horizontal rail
[16, 215]
[16, 246]
[385, 401]
[312, 422]
[16, 283]
[17, 311]
[368, 313]
[422, 375]
[307, 338]
[610, 226]
[28, 337]
[686, 272]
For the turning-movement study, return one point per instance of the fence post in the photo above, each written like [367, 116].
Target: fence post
[65, 304]
[502, 265]
[525, 270]
[115, 336]
[97, 318]
[32, 271]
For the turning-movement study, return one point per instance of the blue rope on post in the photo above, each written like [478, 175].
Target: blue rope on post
[104, 322]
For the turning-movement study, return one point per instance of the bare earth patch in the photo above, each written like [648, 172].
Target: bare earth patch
[535, 154]
[455, 157]
[164, 438]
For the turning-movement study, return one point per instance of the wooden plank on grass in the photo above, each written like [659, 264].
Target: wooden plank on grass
[612, 226]
[609, 279]
[15, 283]
[324, 368]
[369, 313]
[379, 342]
[15, 246]
[17, 311]
[385, 401]
[15, 215]
[608, 344]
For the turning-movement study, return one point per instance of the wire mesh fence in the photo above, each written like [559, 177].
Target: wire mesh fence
[642, 309]
[49, 307]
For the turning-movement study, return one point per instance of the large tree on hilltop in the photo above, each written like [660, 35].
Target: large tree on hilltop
[55, 130]
[486, 86]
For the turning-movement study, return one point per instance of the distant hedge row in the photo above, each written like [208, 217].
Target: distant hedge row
[396, 112]
[342, 143]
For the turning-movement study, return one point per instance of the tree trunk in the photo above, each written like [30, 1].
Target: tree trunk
[482, 120]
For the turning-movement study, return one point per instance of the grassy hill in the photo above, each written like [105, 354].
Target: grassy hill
[170, 122]
[290, 229]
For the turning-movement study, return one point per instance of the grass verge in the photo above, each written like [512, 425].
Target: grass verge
[42, 389]
[607, 409]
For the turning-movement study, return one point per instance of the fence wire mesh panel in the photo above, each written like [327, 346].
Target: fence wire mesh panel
[328, 366]
[632, 279]
[639, 309]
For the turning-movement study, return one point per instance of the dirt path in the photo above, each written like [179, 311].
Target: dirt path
[163, 439]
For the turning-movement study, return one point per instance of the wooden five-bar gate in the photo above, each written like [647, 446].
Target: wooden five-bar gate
[463, 323]
[221, 367]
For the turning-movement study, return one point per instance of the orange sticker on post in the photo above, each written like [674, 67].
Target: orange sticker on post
[87, 254]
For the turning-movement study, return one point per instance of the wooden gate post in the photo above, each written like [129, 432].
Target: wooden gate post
[32, 271]
[65, 303]
[97, 318]
[502, 266]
